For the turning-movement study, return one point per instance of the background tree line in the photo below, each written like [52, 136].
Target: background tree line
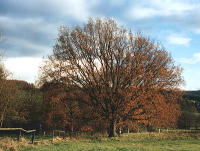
[100, 77]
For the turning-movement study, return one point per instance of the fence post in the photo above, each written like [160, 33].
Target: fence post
[33, 136]
[53, 136]
[19, 135]
[64, 135]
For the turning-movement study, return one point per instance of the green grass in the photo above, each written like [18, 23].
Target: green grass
[131, 142]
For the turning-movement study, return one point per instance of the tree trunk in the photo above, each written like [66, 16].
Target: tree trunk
[3, 114]
[1, 120]
[2, 117]
[72, 127]
[111, 132]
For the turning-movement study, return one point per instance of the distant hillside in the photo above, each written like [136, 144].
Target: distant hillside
[192, 95]
[191, 101]
[22, 85]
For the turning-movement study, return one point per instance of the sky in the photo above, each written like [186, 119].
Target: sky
[30, 29]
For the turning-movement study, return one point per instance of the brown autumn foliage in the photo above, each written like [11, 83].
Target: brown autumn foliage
[122, 73]
[160, 109]
[62, 109]
[52, 106]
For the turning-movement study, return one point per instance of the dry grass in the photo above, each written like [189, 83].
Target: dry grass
[164, 135]
[9, 144]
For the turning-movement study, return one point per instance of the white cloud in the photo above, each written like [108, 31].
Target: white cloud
[25, 68]
[178, 39]
[28, 36]
[79, 9]
[196, 30]
[142, 12]
[117, 3]
[29, 46]
[34, 24]
[192, 79]
[147, 9]
[76, 9]
[195, 59]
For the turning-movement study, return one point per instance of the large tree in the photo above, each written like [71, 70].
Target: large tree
[112, 65]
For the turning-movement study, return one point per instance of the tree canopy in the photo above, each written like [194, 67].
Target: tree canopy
[118, 70]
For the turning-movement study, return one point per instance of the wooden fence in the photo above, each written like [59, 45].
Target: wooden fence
[20, 130]
[180, 130]
[58, 133]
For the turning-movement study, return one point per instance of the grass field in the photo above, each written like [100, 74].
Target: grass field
[127, 142]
